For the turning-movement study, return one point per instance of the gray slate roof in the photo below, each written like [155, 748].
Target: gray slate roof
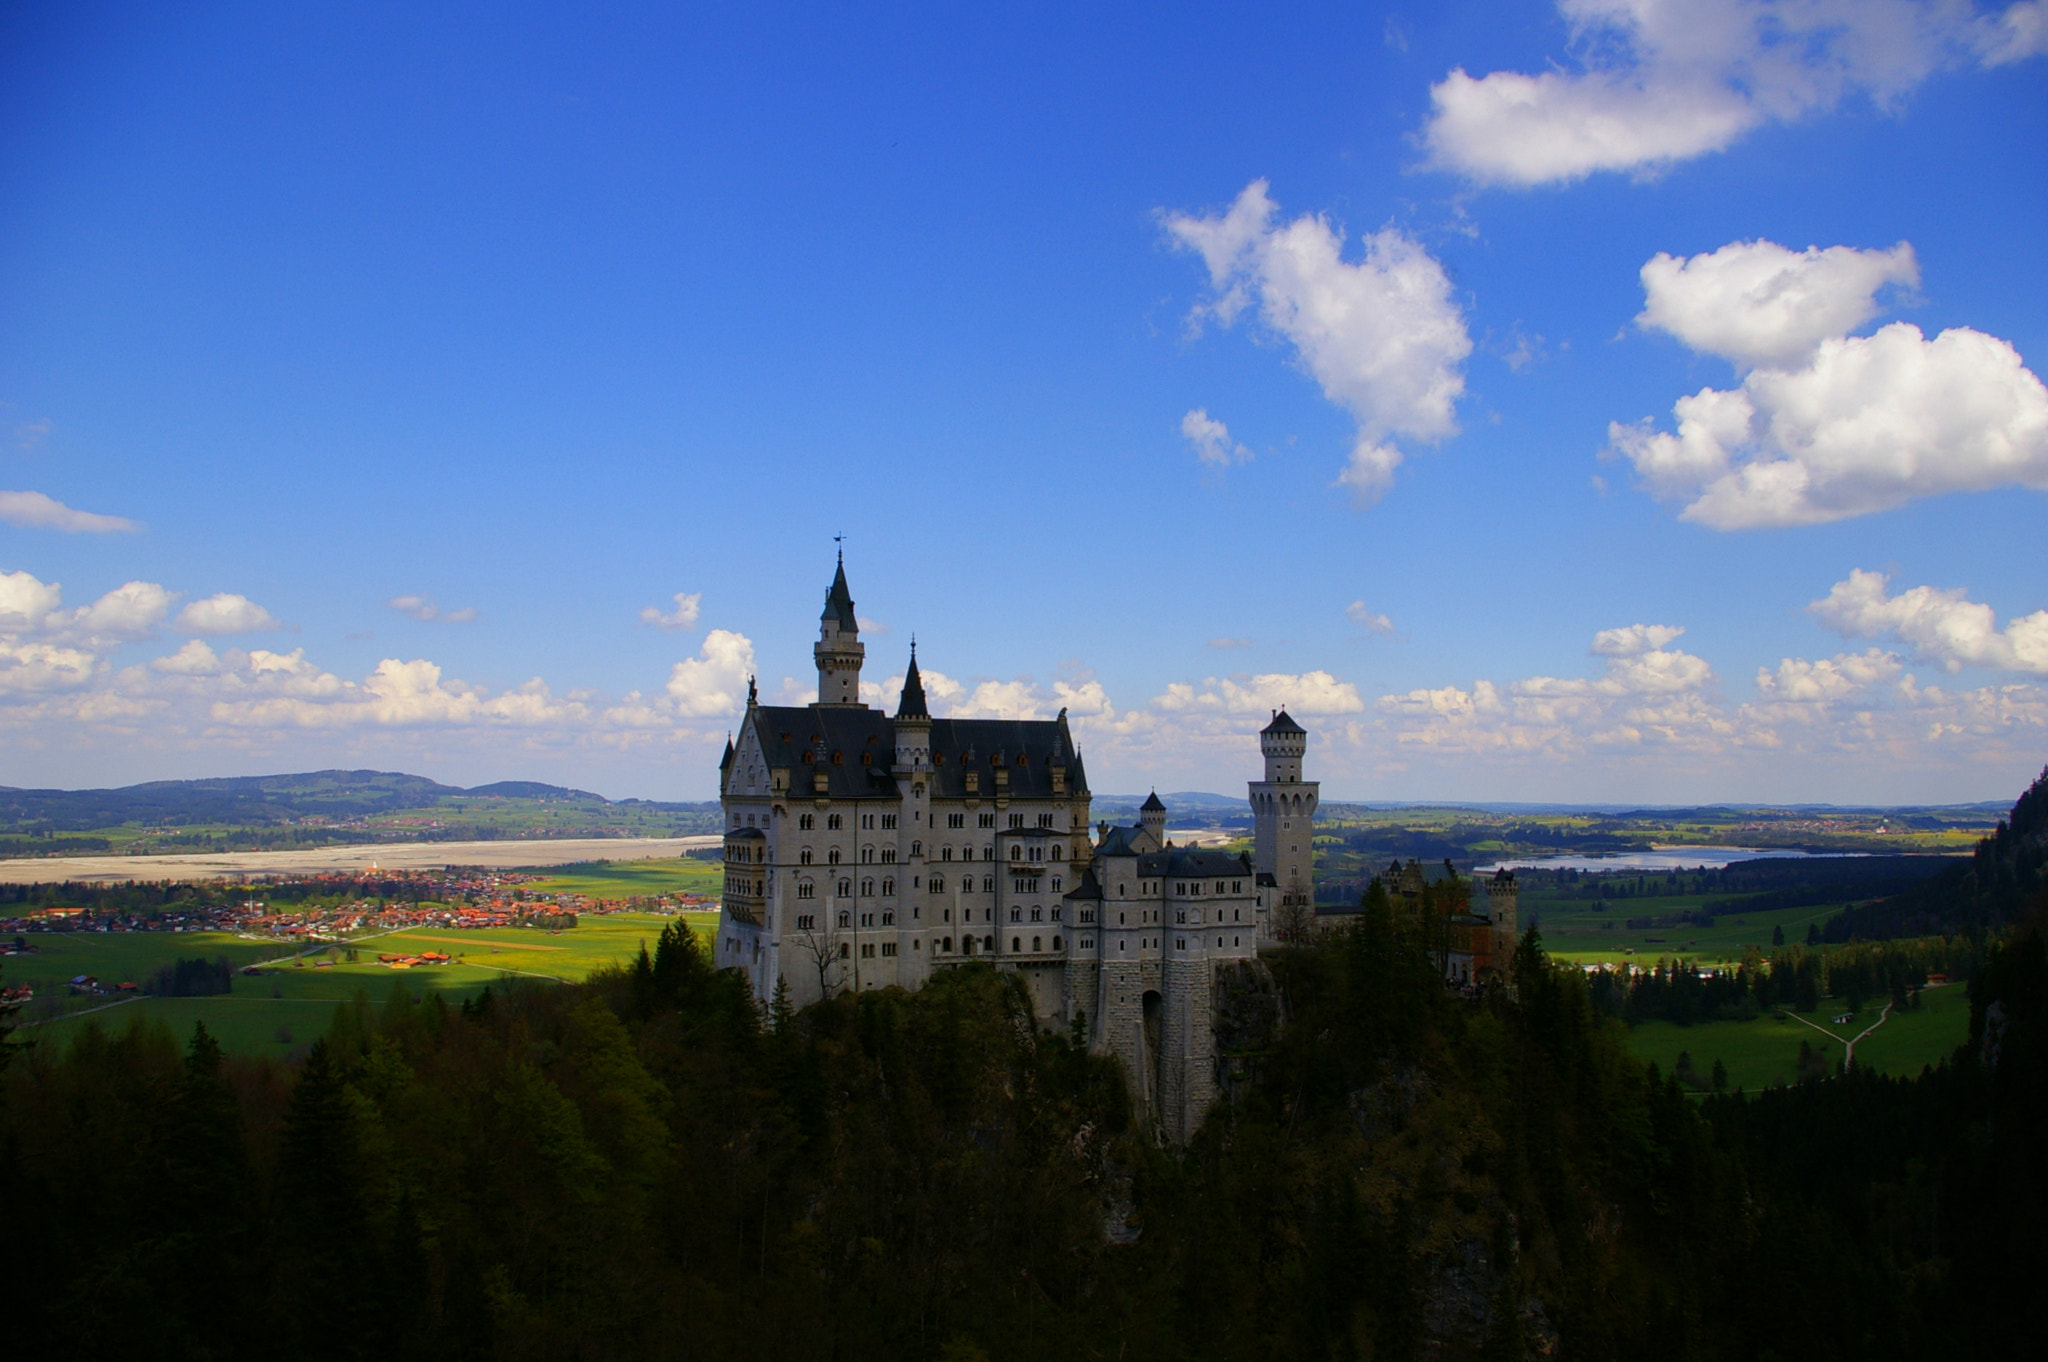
[839, 600]
[1025, 746]
[1282, 723]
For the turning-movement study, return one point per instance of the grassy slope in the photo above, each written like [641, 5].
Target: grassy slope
[1572, 931]
[1765, 1051]
[299, 999]
[629, 879]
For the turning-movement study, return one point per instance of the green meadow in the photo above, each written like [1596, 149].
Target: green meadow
[291, 1001]
[1572, 931]
[1765, 1050]
[635, 879]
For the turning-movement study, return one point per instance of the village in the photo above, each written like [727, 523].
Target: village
[300, 915]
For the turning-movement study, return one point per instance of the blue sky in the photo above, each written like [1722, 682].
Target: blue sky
[373, 382]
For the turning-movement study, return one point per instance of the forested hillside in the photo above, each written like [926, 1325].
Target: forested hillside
[2008, 871]
[645, 1167]
[320, 808]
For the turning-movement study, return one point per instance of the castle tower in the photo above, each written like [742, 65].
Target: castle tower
[839, 651]
[1283, 823]
[1152, 818]
[1502, 902]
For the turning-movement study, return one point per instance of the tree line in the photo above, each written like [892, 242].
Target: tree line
[647, 1165]
[1795, 977]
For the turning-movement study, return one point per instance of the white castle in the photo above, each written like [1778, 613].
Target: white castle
[864, 851]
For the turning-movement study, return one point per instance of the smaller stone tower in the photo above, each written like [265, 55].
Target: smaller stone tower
[1152, 818]
[1283, 827]
[1501, 909]
[839, 651]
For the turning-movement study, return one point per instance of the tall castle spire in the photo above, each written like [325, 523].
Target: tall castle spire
[839, 651]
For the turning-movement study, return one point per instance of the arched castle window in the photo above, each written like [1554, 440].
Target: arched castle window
[867, 855]
[988, 884]
[888, 888]
[805, 889]
[846, 889]
[807, 822]
[846, 919]
[917, 848]
[804, 857]
[938, 884]
[1058, 852]
[832, 856]
[867, 889]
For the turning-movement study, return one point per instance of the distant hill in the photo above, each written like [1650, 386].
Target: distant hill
[269, 801]
[1178, 803]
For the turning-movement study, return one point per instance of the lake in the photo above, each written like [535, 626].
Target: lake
[1661, 859]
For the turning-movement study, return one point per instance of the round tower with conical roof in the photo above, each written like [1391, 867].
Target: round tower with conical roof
[1283, 828]
[839, 651]
[1152, 818]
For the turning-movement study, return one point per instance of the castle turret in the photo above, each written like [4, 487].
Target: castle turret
[1152, 818]
[839, 651]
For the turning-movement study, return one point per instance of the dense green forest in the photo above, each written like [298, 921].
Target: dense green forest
[647, 1166]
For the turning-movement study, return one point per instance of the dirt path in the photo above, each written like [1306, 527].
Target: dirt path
[1849, 1046]
[82, 1012]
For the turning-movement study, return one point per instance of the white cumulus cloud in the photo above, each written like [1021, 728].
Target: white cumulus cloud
[1941, 626]
[25, 600]
[129, 611]
[34, 510]
[1635, 639]
[196, 658]
[1381, 335]
[1847, 676]
[1662, 81]
[679, 620]
[226, 613]
[1211, 439]
[1311, 692]
[714, 681]
[1867, 424]
[1758, 303]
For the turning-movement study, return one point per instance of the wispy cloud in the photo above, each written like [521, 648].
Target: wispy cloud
[29, 434]
[1368, 619]
[34, 510]
[423, 608]
[1663, 81]
[1211, 439]
[680, 620]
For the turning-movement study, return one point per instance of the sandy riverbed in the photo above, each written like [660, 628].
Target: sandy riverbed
[385, 856]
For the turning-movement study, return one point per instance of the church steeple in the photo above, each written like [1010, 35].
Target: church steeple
[839, 651]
